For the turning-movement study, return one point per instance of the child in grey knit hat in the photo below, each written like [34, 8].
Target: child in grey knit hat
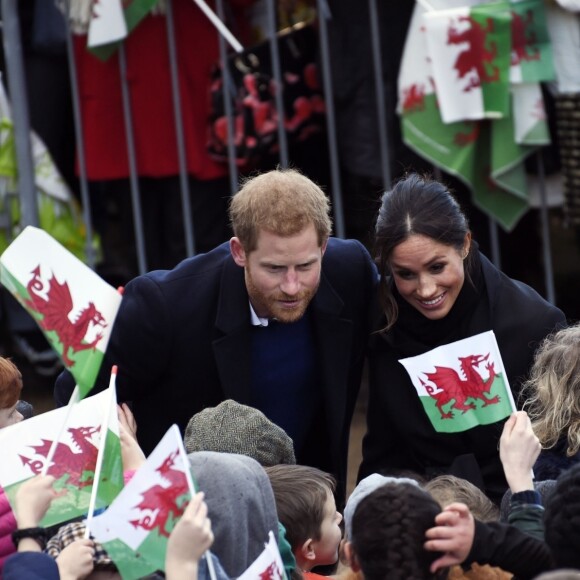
[235, 428]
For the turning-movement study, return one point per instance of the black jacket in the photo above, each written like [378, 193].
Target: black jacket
[181, 341]
[400, 436]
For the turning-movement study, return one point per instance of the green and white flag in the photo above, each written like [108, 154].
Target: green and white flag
[107, 23]
[127, 19]
[470, 53]
[532, 59]
[73, 306]
[462, 384]
[25, 447]
[135, 528]
[268, 565]
[487, 155]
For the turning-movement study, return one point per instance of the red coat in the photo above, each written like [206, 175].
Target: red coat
[150, 89]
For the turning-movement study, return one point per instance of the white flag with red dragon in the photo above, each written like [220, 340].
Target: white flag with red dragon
[73, 306]
[25, 447]
[135, 528]
[462, 384]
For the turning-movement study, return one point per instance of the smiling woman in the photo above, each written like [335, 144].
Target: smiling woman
[436, 288]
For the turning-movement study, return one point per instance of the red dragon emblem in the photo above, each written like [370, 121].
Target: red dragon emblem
[54, 302]
[161, 502]
[451, 387]
[272, 572]
[413, 98]
[473, 62]
[521, 40]
[78, 465]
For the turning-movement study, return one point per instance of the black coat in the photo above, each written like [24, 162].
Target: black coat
[181, 341]
[400, 436]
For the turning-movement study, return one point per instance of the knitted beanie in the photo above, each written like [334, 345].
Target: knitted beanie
[234, 428]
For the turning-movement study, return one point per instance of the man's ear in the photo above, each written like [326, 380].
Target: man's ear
[307, 550]
[238, 252]
[351, 557]
[323, 247]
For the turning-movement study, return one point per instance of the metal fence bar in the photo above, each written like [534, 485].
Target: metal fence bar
[80, 144]
[380, 94]
[494, 243]
[228, 90]
[134, 181]
[336, 192]
[277, 74]
[183, 176]
[20, 116]
[546, 241]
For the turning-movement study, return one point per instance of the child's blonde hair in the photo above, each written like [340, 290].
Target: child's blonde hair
[10, 383]
[552, 392]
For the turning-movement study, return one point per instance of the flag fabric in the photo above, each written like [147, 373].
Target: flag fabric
[133, 12]
[135, 528]
[73, 306]
[532, 59]
[268, 565]
[108, 476]
[461, 113]
[476, 43]
[462, 384]
[107, 23]
[25, 447]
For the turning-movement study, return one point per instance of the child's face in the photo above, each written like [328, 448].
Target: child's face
[9, 416]
[326, 547]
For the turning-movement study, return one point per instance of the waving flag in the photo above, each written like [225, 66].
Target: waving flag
[268, 565]
[462, 384]
[110, 24]
[73, 306]
[135, 528]
[25, 447]
[457, 107]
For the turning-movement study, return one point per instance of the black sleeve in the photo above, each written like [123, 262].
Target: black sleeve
[511, 549]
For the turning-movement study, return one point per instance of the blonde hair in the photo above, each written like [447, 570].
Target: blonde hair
[282, 201]
[447, 489]
[10, 383]
[552, 392]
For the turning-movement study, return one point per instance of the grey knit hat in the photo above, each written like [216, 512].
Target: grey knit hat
[365, 487]
[234, 428]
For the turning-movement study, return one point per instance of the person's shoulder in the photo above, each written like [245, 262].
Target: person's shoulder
[346, 254]
[520, 300]
[206, 266]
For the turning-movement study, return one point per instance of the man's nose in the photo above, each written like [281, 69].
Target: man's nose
[290, 285]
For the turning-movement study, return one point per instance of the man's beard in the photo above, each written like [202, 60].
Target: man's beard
[271, 306]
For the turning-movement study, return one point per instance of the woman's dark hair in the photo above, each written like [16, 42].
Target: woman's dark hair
[388, 533]
[415, 205]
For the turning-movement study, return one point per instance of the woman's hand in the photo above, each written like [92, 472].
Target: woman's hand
[76, 562]
[33, 499]
[131, 452]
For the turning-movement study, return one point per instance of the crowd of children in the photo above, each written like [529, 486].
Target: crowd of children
[394, 527]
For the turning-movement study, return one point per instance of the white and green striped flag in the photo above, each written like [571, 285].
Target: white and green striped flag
[268, 565]
[486, 144]
[462, 384]
[470, 53]
[532, 59]
[135, 528]
[73, 306]
[25, 447]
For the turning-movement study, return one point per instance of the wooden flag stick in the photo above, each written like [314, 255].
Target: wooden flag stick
[101, 452]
